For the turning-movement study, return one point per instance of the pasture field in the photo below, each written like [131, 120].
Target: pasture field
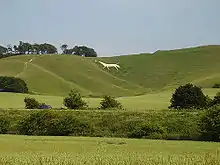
[24, 150]
[150, 101]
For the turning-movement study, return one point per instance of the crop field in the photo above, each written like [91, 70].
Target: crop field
[94, 151]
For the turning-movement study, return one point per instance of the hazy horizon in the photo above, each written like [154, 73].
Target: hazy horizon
[112, 27]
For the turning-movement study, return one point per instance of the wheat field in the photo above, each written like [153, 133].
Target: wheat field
[24, 150]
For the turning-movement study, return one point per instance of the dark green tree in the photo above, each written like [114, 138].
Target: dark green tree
[64, 47]
[84, 51]
[47, 48]
[74, 100]
[110, 102]
[3, 49]
[12, 84]
[210, 124]
[187, 97]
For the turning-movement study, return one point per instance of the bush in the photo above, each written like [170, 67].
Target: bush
[52, 124]
[31, 103]
[110, 102]
[148, 130]
[188, 97]
[216, 86]
[216, 100]
[74, 101]
[4, 125]
[210, 124]
[12, 84]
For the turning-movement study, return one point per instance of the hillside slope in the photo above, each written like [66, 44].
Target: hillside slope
[169, 69]
[57, 74]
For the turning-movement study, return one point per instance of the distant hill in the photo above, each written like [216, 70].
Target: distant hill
[140, 73]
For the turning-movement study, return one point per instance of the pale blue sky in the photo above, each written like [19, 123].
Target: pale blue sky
[112, 27]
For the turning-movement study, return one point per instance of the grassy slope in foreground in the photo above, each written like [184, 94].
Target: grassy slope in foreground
[57, 74]
[81, 150]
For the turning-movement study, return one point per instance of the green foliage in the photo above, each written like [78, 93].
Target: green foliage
[188, 96]
[50, 123]
[216, 100]
[148, 130]
[74, 100]
[84, 51]
[160, 125]
[216, 86]
[3, 49]
[210, 124]
[4, 125]
[64, 47]
[31, 103]
[110, 102]
[12, 84]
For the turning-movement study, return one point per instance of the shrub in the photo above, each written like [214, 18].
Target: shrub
[216, 100]
[187, 97]
[12, 84]
[74, 100]
[38, 123]
[216, 86]
[110, 102]
[52, 124]
[210, 124]
[4, 125]
[32, 103]
[148, 130]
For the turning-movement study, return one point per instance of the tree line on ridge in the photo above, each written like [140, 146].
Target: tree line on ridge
[44, 48]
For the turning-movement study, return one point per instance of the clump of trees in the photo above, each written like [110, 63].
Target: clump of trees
[28, 48]
[216, 86]
[79, 51]
[187, 97]
[44, 48]
[190, 96]
[12, 84]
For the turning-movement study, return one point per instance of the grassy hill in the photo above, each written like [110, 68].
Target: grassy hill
[163, 70]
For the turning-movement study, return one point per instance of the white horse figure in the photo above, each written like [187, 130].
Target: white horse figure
[116, 66]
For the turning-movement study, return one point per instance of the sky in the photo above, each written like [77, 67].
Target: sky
[112, 27]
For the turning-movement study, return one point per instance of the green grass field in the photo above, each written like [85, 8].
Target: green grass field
[144, 82]
[80, 150]
[150, 101]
